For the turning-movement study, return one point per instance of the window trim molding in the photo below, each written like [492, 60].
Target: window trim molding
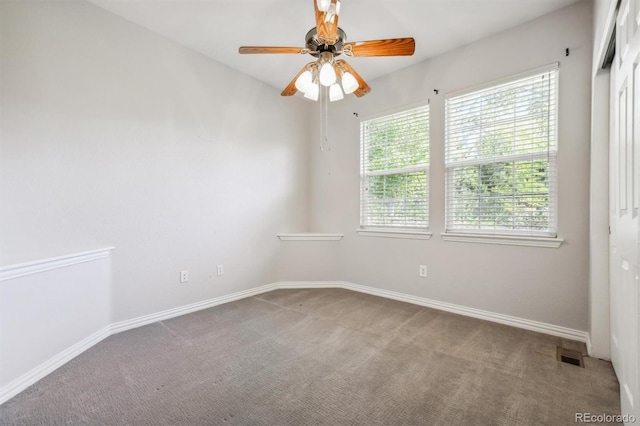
[411, 234]
[503, 239]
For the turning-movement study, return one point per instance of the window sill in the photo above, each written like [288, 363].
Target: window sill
[310, 237]
[510, 240]
[395, 233]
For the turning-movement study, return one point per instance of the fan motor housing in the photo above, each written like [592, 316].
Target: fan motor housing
[316, 47]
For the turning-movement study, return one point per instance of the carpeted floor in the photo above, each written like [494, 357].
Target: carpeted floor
[320, 356]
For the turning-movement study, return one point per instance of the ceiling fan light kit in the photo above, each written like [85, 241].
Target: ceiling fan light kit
[349, 82]
[326, 42]
[327, 74]
[335, 93]
[313, 91]
[304, 81]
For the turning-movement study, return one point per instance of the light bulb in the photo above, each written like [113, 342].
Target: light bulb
[335, 92]
[338, 8]
[327, 74]
[349, 83]
[304, 81]
[323, 5]
[312, 92]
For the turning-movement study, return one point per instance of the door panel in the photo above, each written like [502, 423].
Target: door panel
[624, 177]
[622, 148]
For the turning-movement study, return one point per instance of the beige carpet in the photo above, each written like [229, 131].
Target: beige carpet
[322, 356]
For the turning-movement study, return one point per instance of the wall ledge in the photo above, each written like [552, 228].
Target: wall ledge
[310, 237]
[37, 266]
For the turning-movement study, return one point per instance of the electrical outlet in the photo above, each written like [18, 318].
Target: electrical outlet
[220, 269]
[423, 271]
[184, 276]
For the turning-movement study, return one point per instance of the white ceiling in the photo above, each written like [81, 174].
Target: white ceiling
[216, 28]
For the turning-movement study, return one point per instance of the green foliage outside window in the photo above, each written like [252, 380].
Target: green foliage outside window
[394, 192]
[501, 157]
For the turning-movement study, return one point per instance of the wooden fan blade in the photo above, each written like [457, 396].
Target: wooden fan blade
[321, 30]
[331, 21]
[363, 87]
[327, 22]
[269, 49]
[385, 47]
[291, 90]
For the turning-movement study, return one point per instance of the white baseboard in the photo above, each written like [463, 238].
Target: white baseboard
[540, 327]
[12, 389]
[588, 342]
[21, 383]
[187, 309]
[18, 385]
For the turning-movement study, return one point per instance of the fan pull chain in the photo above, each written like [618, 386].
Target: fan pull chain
[324, 120]
[321, 122]
[326, 114]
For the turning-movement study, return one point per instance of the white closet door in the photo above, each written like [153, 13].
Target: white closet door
[625, 205]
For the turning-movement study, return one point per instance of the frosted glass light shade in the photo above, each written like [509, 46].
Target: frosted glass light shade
[335, 92]
[323, 5]
[312, 92]
[327, 74]
[304, 81]
[349, 83]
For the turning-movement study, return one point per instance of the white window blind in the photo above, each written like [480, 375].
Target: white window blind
[394, 173]
[500, 157]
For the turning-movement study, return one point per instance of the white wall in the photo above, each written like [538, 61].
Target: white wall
[114, 136]
[314, 260]
[547, 285]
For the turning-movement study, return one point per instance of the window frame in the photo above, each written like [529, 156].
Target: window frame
[547, 238]
[394, 231]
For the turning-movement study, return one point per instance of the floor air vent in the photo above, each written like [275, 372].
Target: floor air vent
[570, 357]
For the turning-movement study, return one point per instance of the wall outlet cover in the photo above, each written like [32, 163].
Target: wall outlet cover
[423, 271]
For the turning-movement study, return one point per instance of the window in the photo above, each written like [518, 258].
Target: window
[394, 173]
[500, 157]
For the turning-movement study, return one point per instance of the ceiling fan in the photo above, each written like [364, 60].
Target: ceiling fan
[326, 42]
